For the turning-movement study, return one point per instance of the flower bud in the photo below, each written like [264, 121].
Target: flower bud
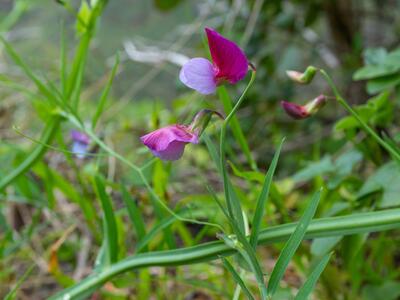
[201, 120]
[298, 112]
[302, 78]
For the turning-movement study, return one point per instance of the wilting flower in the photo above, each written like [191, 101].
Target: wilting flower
[229, 63]
[168, 143]
[303, 78]
[297, 111]
[80, 143]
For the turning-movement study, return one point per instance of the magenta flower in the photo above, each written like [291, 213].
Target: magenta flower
[168, 143]
[297, 111]
[229, 64]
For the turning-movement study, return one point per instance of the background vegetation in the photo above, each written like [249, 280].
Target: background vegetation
[63, 218]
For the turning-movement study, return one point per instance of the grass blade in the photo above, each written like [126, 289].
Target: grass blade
[292, 244]
[109, 224]
[237, 278]
[12, 294]
[104, 95]
[324, 227]
[134, 215]
[263, 197]
[28, 72]
[308, 286]
[48, 134]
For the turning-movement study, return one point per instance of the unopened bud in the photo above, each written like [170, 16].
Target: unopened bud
[298, 112]
[302, 78]
[201, 120]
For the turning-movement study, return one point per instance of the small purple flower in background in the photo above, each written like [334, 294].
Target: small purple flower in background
[229, 64]
[80, 143]
[168, 143]
[298, 112]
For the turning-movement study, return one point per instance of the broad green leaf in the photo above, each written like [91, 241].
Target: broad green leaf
[389, 289]
[307, 288]
[165, 5]
[386, 180]
[323, 166]
[237, 278]
[262, 199]
[380, 84]
[292, 244]
[373, 71]
[321, 246]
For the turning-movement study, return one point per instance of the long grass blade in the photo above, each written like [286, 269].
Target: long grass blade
[237, 278]
[308, 286]
[110, 238]
[104, 95]
[292, 244]
[332, 226]
[263, 197]
[134, 215]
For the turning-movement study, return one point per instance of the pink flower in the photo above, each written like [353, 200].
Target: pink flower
[297, 111]
[229, 63]
[168, 143]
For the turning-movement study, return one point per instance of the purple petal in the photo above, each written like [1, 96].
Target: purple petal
[227, 57]
[174, 151]
[80, 137]
[169, 142]
[199, 74]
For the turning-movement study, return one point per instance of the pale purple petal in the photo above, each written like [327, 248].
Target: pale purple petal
[228, 58]
[199, 74]
[169, 142]
[79, 149]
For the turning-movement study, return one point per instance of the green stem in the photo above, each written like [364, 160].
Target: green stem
[363, 124]
[236, 214]
[325, 227]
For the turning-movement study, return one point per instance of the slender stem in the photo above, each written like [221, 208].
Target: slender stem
[325, 227]
[139, 171]
[363, 124]
[223, 150]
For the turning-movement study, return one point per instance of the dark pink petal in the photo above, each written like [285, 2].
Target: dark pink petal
[229, 60]
[199, 74]
[294, 110]
[169, 142]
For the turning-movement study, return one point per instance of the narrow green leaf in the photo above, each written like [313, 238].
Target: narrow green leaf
[28, 72]
[263, 197]
[235, 126]
[35, 155]
[109, 224]
[104, 95]
[233, 203]
[292, 244]
[12, 294]
[308, 286]
[134, 215]
[324, 227]
[237, 278]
